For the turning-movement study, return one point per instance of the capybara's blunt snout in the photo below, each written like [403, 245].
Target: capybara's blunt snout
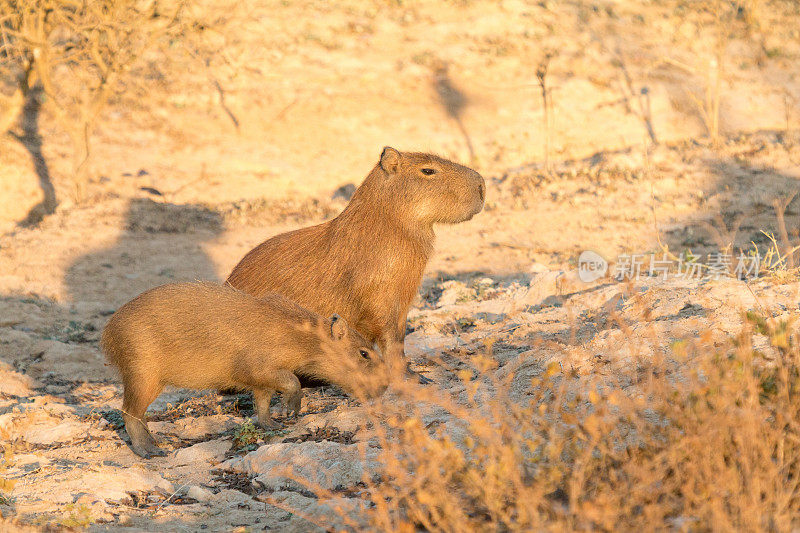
[478, 192]
[378, 383]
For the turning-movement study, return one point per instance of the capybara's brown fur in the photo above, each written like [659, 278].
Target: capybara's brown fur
[368, 262]
[206, 335]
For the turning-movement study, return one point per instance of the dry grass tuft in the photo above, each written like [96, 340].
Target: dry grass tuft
[701, 433]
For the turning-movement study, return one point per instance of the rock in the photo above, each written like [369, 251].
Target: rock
[326, 464]
[201, 494]
[29, 462]
[329, 512]
[209, 451]
[231, 499]
[96, 507]
[570, 283]
[342, 418]
[15, 384]
[419, 343]
[454, 292]
[105, 483]
[65, 431]
[541, 287]
[8, 336]
[6, 425]
[115, 484]
[729, 293]
[547, 288]
[195, 428]
[85, 499]
[538, 268]
[79, 362]
[46, 405]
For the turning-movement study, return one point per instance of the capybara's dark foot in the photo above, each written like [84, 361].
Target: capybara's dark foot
[146, 447]
[148, 451]
[155, 451]
[268, 424]
[142, 442]
[140, 451]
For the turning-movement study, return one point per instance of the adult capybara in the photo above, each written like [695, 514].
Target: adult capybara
[367, 263]
[206, 335]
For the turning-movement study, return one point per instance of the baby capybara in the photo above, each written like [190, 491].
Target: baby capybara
[205, 335]
[367, 263]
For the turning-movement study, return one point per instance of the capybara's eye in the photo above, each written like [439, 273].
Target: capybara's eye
[428, 171]
[364, 354]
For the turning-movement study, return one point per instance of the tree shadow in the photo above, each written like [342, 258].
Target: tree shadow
[702, 201]
[453, 100]
[31, 140]
[752, 202]
[161, 243]
[56, 343]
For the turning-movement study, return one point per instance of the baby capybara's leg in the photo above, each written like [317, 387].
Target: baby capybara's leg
[289, 387]
[262, 398]
[139, 394]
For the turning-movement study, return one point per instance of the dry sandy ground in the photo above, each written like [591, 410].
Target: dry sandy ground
[317, 97]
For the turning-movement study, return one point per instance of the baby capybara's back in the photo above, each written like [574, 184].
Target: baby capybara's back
[182, 332]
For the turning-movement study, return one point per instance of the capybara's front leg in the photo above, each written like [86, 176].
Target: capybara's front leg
[392, 345]
[262, 399]
[138, 395]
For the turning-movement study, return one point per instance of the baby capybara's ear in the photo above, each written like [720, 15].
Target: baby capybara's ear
[338, 327]
[390, 160]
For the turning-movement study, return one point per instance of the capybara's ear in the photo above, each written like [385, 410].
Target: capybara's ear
[390, 160]
[338, 327]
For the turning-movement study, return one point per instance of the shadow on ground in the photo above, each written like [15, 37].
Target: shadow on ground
[31, 140]
[161, 243]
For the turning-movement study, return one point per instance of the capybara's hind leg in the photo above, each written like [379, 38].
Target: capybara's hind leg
[262, 398]
[289, 385]
[139, 394]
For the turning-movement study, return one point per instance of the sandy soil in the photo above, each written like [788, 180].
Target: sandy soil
[182, 193]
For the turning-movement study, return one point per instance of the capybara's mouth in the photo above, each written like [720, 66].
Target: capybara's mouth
[476, 208]
[481, 202]
[375, 391]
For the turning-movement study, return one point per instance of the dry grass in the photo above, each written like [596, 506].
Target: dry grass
[701, 434]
